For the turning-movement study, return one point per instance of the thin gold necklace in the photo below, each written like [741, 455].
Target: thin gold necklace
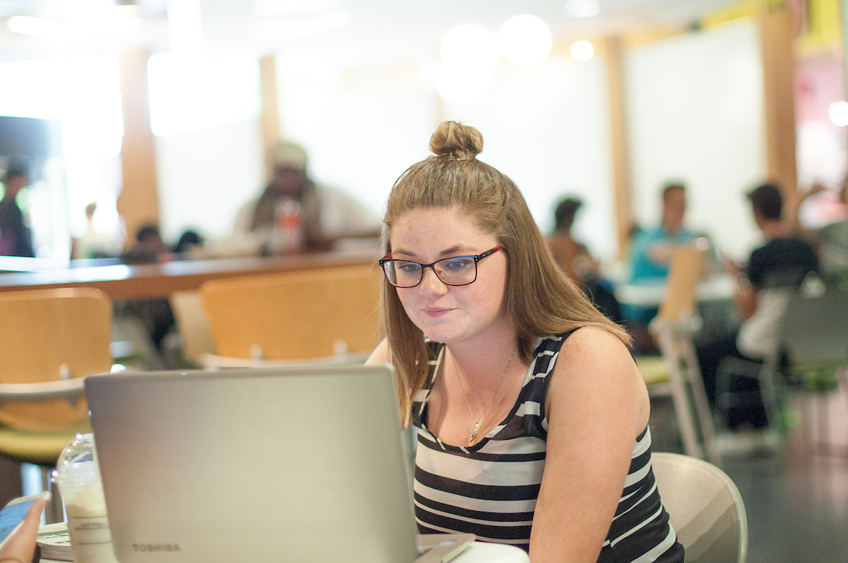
[473, 433]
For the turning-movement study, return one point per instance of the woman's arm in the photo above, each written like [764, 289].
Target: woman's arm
[596, 407]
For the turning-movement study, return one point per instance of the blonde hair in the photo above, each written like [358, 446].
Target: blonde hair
[540, 299]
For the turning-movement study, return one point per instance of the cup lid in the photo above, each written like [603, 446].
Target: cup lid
[79, 451]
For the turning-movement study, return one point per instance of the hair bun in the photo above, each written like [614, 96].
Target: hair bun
[457, 141]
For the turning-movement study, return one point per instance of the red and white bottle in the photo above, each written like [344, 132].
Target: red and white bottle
[289, 227]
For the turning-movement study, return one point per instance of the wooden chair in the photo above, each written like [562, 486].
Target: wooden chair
[676, 372]
[704, 508]
[51, 340]
[314, 316]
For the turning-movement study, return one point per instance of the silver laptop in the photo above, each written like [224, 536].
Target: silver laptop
[284, 464]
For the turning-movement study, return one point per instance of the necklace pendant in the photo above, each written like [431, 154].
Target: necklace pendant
[474, 431]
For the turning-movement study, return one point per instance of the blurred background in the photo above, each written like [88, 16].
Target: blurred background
[158, 117]
[163, 110]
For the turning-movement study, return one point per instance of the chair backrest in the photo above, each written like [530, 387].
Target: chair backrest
[50, 335]
[704, 507]
[814, 330]
[295, 315]
[684, 272]
[192, 325]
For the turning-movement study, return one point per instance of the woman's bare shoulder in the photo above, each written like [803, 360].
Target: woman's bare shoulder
[595, 371]
[594, 343]
[596, 357]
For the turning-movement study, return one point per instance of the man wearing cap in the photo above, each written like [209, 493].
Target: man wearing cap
[324, 214]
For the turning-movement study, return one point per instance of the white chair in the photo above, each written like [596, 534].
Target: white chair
[704, 507]
[676, 373]
[815, 337]
[771, 394]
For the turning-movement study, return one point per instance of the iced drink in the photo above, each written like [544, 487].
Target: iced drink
[82, 492]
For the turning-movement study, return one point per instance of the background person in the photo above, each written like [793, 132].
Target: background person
[773, 273]
[531, 415]
[154, 313]
[325, 214]
[649, 256]
[189, 245]
[15, 235]
[572, 256]
[148, 248]
[578, 263]
[651, 249]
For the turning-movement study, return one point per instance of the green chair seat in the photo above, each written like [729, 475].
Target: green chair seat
[654, 370]
[40, 448]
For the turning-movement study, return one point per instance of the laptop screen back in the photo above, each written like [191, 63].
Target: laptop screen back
[288, 464]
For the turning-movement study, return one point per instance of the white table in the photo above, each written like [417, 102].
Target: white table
[715, 288]
[480, 552]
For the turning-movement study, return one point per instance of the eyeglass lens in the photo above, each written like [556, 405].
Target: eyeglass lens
[459, 270]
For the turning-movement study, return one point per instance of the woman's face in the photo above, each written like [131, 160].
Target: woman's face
[450, 314]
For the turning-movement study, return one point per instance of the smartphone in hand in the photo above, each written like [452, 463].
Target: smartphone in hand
[14, 513]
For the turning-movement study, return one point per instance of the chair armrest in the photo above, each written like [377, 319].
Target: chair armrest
[68, 389]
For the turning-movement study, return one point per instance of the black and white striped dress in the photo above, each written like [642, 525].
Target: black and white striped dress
[490, 489]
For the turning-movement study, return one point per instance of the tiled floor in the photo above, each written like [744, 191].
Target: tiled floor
[796, 498]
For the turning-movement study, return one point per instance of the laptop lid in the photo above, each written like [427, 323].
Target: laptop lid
[282, 464]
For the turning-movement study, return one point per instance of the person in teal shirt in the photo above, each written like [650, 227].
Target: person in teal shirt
[651, 250]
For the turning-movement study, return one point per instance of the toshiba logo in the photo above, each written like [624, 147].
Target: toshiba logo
[153, 547]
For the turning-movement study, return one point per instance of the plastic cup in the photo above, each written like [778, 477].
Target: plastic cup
[79, 483]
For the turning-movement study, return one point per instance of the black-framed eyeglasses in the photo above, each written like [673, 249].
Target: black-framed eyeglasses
[456, 270]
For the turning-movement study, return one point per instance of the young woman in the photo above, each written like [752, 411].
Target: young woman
[531, 415]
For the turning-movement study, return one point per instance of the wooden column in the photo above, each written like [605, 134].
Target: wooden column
[138, 202]
[614, 49]
[776, 35]
[270, 108]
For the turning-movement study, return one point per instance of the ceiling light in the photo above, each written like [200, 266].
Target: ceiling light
[582, 8]
[472, 46]
[582, 50]
[35, 27]
[525, 40]
[461, 85]
[838, 113]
